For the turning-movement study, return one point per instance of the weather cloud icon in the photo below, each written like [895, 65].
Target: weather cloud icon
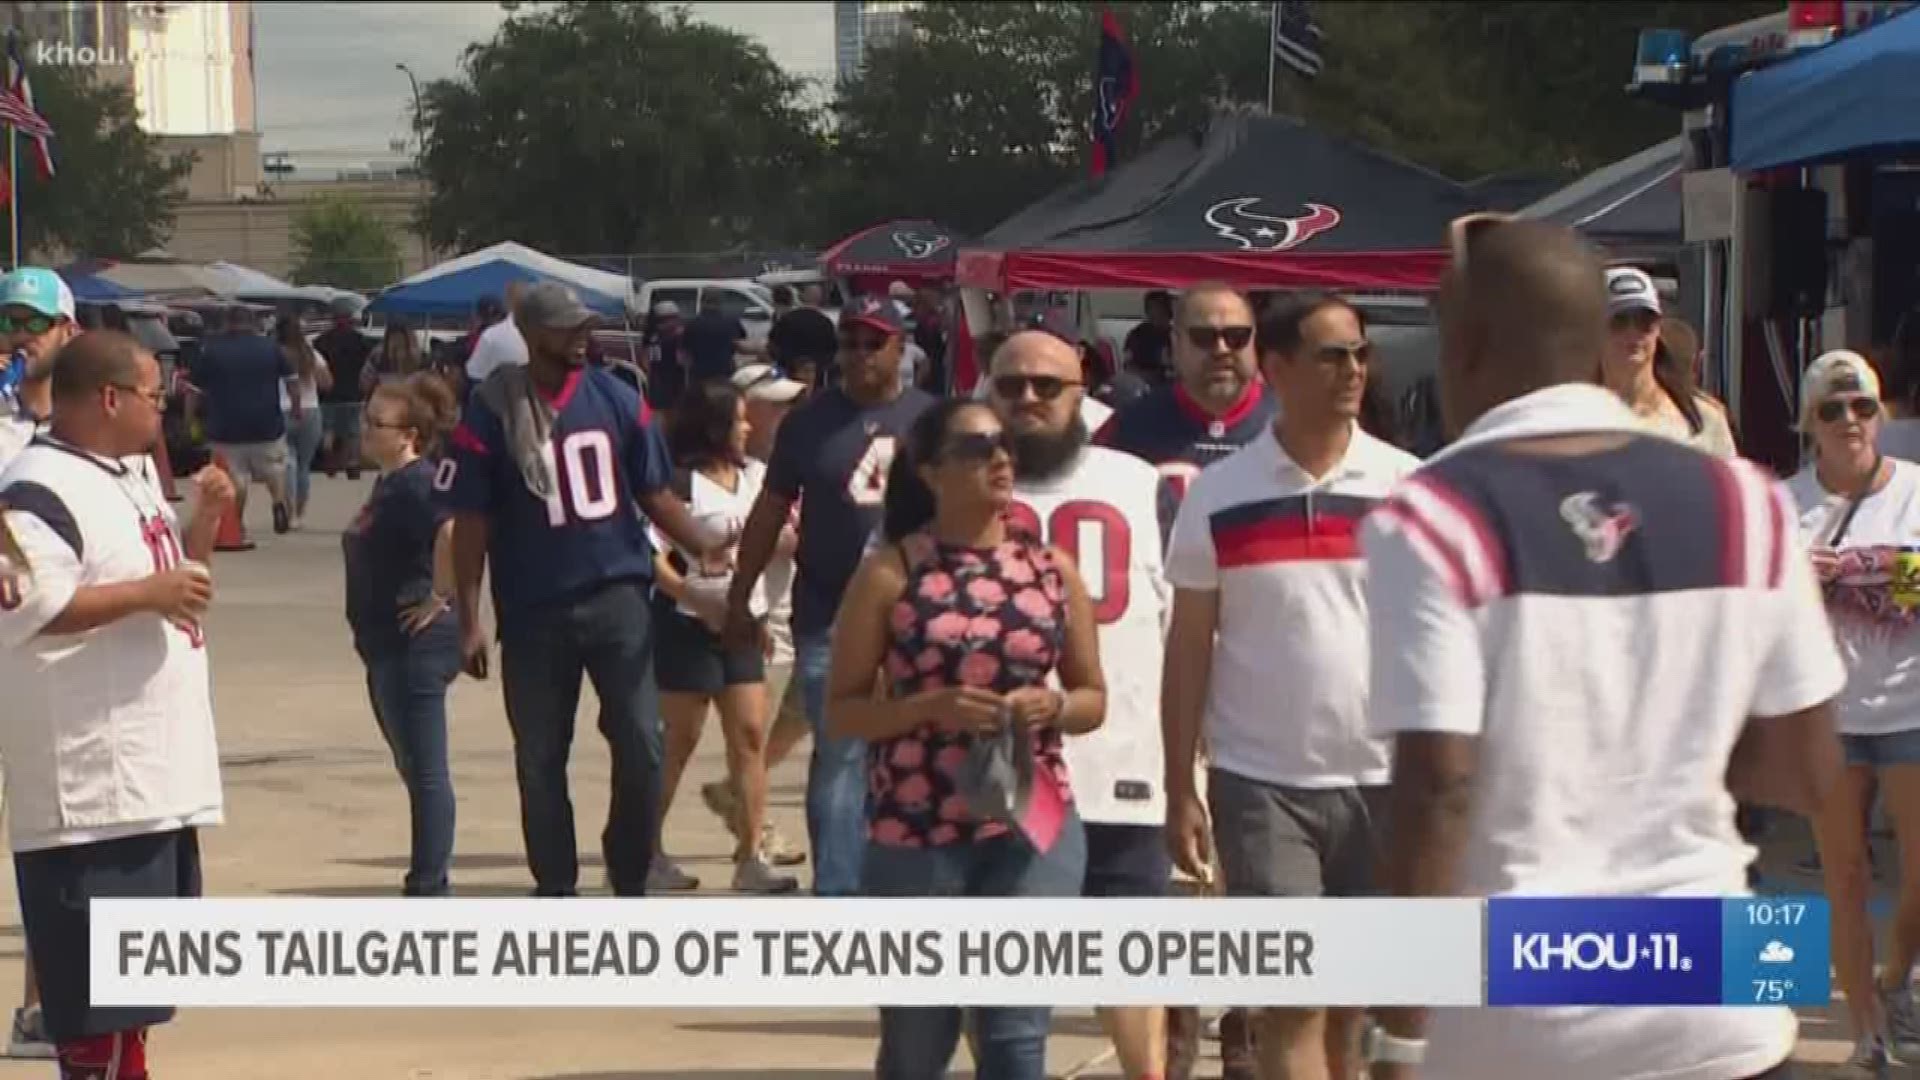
[1776, 953]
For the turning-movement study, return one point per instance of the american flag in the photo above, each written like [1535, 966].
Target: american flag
[1296, 37]
[16, 109]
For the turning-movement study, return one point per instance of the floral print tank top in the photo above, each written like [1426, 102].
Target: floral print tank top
[994, 619]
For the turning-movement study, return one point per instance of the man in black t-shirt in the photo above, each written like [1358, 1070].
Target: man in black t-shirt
[346, 351]
[1149, 346]
[710, 342]
[831, 456]
[240, 377]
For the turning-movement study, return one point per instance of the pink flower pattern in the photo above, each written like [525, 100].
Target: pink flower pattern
[967, 618]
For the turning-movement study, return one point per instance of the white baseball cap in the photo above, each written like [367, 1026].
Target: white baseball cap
[764, 382]
[665, 308]
[1841, 371]
[1631, 290]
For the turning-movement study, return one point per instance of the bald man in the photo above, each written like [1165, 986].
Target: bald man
[1588, 642]
[1102, 506]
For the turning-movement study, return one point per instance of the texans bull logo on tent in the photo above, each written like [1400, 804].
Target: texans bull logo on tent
[915, 246]
[1232, 220]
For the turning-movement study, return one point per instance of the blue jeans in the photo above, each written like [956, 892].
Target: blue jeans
[836, 779]
[918, 1043]
[607, 635]
[408, 688]
[303, 440]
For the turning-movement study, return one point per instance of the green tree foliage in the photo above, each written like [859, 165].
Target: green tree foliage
[339, 242]
[114, 189]
[585, 128]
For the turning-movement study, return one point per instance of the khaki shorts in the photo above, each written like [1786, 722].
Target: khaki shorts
[254, 461]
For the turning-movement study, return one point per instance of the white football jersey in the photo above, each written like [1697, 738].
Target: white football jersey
[1104, 512]
[107, 733]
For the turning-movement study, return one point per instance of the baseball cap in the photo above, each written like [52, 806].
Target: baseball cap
[552, 306]
[1631, 290]
[876, 312]
[1841, 371]
[900, 290]
[665, 309]
[765, 382]
[38, 288]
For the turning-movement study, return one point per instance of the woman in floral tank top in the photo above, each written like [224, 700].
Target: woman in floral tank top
[964, 622]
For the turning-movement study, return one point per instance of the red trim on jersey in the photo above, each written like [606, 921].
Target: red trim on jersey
[559, 400]
[1483, 537]
[1733, 525]
[1427, 544]
[646, 411]
[463, 438]
[1199, 414]
[1777, 537]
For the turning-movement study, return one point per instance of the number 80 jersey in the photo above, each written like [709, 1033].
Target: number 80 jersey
[1103, 511]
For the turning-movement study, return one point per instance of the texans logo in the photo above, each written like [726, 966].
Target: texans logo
[1264, 232]
[1601, 531]
[915, 246]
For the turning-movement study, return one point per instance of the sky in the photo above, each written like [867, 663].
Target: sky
[326, 81]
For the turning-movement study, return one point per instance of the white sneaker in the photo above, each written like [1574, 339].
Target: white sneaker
[777, 849]
[29, 1040]
[665, 875]
[755, 876]
[1903, 1023]
[1869, 1061]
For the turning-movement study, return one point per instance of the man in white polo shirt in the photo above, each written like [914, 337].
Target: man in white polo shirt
[1588, 640]
[1268, 646]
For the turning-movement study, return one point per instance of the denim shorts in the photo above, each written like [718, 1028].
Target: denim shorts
[1880, 751]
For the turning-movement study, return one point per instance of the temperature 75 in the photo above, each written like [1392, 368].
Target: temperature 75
[1772, 991]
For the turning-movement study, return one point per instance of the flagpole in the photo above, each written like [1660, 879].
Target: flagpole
[1273, 35]
[13, 193]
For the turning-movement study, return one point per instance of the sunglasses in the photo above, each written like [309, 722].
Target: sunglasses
[32, 324]
[1045, 387]
[976, 447]
[1832, 409]
[1205, 337]
[1360, 352]
[1464, 231]
[156, 398]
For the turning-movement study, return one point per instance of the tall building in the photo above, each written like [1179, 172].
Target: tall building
[189, 65]
[859, 26]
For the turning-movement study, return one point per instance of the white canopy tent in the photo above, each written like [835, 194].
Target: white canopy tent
[600, 281]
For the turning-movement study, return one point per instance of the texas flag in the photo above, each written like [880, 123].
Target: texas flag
[1115, 85]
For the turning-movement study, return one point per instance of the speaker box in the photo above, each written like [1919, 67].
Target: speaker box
[1799, 273]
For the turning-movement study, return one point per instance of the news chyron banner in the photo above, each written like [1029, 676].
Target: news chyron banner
[862, 953]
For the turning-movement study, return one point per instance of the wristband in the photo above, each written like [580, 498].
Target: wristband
[1385, 1049]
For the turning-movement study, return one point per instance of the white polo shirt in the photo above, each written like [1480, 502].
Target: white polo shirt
[1287, 697]
[107, 733]
[1604, 627]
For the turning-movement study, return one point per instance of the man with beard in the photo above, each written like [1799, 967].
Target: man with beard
[1101, 506]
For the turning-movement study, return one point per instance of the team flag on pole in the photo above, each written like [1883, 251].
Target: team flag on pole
[1296, 37]
[18, 109]
[1115, 85]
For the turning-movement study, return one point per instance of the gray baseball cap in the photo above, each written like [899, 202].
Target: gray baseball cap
[550, 305]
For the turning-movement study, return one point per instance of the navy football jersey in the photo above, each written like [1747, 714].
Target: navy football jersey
[1175, 434]
[603, 452]
[833, 455]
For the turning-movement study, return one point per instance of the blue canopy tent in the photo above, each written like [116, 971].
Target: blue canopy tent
[455, 294]
[94, 287]
[1857, 96]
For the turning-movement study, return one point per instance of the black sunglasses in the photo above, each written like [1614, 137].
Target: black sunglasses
[1204, 337]
[1360, 352]
[976, 447]
[1832, 409]
[1045, 387]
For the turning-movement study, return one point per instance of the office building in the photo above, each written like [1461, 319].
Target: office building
[859, 26]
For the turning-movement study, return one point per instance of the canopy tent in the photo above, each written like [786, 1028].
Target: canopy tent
[92, 287]
[916, 251]
[1264, 202]
[154, 274]
[1631, 207]
[1857, 96]
[455, 293]
[543, 266]
[249, 284]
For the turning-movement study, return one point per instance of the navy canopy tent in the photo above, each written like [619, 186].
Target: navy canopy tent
[1631, 207]
[456, 293]
[95, 288]
[1856, 96]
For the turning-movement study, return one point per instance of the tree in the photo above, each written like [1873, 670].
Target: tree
[337, 241]
[114, 189]
[594, 128]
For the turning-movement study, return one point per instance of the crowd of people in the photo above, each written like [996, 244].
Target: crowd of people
[1218, 632]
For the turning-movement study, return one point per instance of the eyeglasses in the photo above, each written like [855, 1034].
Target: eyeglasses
[370, 420]
[1463, 231]
[32, 324]
[155, 397]
[1045, 387]
[1832, 409]
[1204, 337]
[976, 447]
[1360, 352]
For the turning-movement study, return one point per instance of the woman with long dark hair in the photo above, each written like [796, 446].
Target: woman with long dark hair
[304, 425]
[693, 668]
[399, 605]
[397, 357]
[946, 638]
[1657, 385]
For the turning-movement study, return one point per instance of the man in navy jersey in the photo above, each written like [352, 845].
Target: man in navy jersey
[547, 476]
[832, 454]
[1216, 405]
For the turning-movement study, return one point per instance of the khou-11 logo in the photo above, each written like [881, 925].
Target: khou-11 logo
[1612, 951]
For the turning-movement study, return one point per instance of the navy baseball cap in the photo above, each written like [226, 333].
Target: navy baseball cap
[877, 312]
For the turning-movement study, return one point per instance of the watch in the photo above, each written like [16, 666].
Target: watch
[1387, 1049]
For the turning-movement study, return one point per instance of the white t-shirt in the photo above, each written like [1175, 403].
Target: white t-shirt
[499, 344]
[107, 733]
[776, 584]
[309, 389]
[1879, 639]
[1901, 438]
[1104, 512]
[716, 508]
[1287, 697]
[17, 429]
[1604, 723]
